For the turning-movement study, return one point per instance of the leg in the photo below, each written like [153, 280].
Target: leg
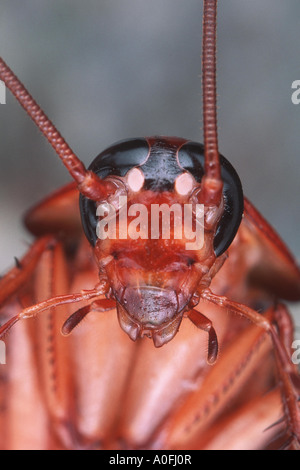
[225, 389]
[17, 276]
[205, 324]
[284, 364]
[285, 327]
[34, 310]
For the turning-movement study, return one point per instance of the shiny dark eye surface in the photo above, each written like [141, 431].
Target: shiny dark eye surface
[116, 160]
[191, 158]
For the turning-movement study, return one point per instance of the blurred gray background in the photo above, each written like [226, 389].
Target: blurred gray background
[111, 69]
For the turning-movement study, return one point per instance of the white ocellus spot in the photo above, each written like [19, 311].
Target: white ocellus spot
[184, 184]
[135, 179]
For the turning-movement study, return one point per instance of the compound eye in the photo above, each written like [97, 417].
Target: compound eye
[191, 158]
[88, 214]
[118, 160]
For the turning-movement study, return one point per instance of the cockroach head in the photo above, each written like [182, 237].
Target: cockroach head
[162, 164]
[155, 270]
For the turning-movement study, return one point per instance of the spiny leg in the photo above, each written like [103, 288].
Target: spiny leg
[21, 273]
[17, 276]
[224, 388]
[290, 395]
[34, 310]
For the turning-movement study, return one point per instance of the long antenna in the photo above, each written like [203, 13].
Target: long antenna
[88, 182]
[212, 182]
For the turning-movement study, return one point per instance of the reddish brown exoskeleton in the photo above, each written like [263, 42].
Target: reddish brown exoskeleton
[99, 389]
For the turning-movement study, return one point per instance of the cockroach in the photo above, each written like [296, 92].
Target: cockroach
[135, 341]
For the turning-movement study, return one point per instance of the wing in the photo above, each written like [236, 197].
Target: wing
[263, 260]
